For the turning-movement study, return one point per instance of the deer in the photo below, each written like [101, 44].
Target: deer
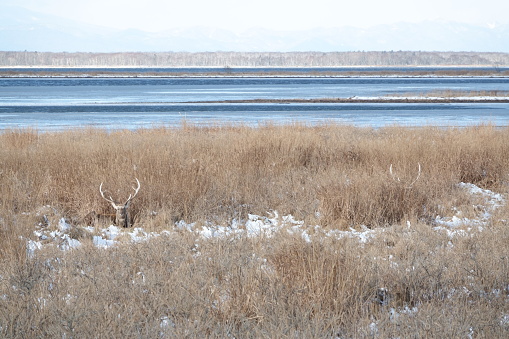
[396, 179]
[122, 216]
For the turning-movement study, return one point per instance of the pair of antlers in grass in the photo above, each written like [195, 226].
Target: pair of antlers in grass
[122, 217]
[398, 180]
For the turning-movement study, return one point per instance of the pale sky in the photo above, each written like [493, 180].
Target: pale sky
[283, 15]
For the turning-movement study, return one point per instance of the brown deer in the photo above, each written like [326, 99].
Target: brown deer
[122, 217]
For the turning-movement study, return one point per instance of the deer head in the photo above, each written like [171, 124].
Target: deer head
[122, 217]
[396, 179]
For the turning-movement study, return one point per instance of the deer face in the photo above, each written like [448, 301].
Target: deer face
[122, 217]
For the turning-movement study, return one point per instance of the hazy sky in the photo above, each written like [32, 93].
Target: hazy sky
[239, 15]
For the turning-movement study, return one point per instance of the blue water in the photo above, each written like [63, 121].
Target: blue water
[60, 103]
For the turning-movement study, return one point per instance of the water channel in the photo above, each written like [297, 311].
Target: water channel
[49, 103]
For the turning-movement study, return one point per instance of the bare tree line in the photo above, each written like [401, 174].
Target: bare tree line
[252, 59]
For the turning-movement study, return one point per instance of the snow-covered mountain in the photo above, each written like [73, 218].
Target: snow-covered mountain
[33, 31]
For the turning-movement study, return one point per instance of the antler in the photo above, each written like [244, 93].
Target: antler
[136, 190]
[122, 213]
[395, 178]
[390, 171]
[131, 197]
[110, 200]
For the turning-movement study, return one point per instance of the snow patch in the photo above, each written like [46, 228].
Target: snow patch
[63, 226]
[460, 226]
[263, 226]
[100, 242]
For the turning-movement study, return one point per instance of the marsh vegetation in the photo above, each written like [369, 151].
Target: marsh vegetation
[415, 275]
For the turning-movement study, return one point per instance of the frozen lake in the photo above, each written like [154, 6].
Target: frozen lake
[60, 103]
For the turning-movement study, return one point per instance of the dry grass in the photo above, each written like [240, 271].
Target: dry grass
[454, 94]
[184, 286]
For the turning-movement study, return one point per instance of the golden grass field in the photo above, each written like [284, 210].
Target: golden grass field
[411, 279]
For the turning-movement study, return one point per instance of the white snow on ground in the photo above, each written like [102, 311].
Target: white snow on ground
[268, 226]
[262, 226]
[254, 226]
[461, 226]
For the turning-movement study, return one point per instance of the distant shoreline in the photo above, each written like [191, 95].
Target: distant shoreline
[255, 59]
[254, 67]
[447, 73]
[101, 70]
[376, 100]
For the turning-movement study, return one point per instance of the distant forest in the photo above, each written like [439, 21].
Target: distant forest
[252, 59]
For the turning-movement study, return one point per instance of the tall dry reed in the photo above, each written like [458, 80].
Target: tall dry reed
[406, 282]
[196, 173]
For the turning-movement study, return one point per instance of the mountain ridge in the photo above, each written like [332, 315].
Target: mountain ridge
[34, 31]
